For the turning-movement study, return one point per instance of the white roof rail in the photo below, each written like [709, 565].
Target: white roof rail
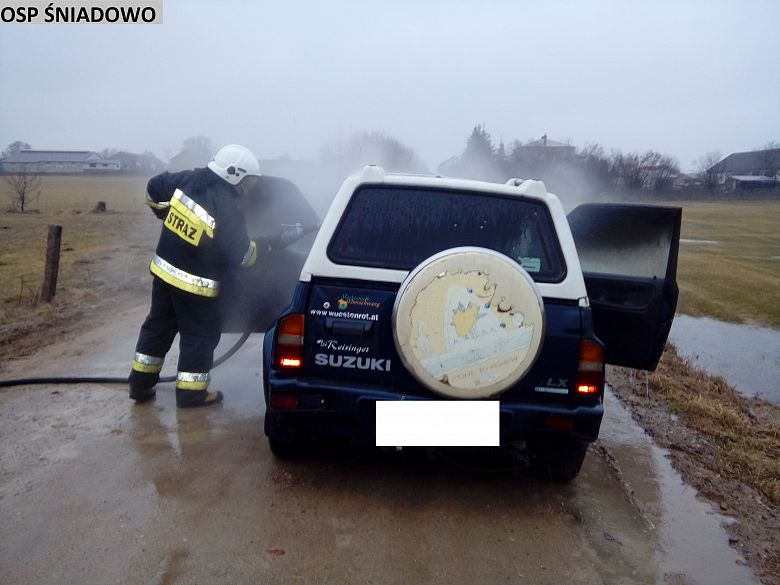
[529, 186]
[371, 173]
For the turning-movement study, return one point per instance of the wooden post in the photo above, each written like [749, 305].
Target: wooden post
[52, 263]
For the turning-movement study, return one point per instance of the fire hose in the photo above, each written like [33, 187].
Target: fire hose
[115, 380]
[281, 241]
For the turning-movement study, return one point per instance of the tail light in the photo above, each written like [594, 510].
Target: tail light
[590, 376]
[288, 353]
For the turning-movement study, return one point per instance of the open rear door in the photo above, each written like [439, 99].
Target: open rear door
[629, 259]
[251, 297]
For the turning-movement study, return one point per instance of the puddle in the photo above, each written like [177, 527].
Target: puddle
[748, 357]
[694, 547]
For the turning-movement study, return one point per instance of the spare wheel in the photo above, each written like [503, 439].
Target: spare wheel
[468, 323]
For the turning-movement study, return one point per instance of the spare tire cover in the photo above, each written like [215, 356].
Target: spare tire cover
[468, 323]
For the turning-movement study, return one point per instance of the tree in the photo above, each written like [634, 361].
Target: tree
[479, 146]
[625, 170]
[199, 143]
[594, 164]
[196, 151]
[25, 187]
[373, 148]
[648, 170]
[480, 158]
[771, 158]
[658, 170]
[703, 165]
[16, 146]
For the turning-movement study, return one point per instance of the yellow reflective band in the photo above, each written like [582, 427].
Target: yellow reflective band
[146, 369]
[198, 285]
[251, 255]
[192, 381]
[149, 360]
[148, 364]
[194, 212]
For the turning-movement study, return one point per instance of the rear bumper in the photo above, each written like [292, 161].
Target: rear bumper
[348, 412]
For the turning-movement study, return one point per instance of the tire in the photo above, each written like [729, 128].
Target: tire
[289, 446]
[564, 460]
[288, 450]
[468, 323]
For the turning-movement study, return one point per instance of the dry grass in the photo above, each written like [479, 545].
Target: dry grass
[746, 437]
[74, 193]
[736, 278]
[101, 253]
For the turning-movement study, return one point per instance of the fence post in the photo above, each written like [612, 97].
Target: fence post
[52, 263]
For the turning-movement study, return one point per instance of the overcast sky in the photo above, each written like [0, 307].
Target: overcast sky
[288, 77]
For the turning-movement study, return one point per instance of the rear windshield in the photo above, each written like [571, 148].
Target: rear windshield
[399, 227]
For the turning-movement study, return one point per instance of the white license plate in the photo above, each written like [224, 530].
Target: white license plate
[437, 423]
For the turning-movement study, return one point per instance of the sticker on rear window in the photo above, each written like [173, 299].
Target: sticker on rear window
[531, 264]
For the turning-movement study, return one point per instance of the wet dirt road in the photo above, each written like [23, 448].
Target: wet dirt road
[94, 489]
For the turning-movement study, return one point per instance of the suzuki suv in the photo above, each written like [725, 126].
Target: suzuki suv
[423, 288]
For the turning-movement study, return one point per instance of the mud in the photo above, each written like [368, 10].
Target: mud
[753, 523]
[692, 547]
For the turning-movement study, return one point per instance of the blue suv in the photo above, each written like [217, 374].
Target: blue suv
[422, 288]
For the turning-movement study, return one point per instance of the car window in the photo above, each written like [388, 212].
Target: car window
[399, 227]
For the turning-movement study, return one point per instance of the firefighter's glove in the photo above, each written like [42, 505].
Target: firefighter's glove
[287, 236]
[290, 234]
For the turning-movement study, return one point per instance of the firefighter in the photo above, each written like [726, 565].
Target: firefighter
[203, 235]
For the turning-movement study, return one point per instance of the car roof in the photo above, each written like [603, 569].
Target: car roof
[318, 264]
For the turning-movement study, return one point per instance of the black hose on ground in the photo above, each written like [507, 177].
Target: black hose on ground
[108, 380]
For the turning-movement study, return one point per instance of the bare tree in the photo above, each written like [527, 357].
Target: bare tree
[626, 170]
[372, 147]
[16, 146]
[25, 187]
[647, 170]
[659, 170]
[771, 158]
[703, 165]
[196, 151]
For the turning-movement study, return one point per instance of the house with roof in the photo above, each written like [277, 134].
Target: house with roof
[189, 158]
[545, 149]
[138, 164]
[66, 162]
[747, 170]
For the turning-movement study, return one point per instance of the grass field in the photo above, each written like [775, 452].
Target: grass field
[73, 193]
[101, 253]
[729, 262]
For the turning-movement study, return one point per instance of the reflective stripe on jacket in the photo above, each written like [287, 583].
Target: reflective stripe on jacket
[198, 285]
[203, 234]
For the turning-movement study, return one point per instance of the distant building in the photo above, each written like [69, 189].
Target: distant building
[746, 170]
[138, 164]
[67, 162]
[545, 149]
[685, 181]
[189, 158]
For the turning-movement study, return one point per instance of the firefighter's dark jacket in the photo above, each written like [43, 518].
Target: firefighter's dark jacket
[203, 234]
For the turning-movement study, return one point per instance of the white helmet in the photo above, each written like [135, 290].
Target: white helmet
[233, 163]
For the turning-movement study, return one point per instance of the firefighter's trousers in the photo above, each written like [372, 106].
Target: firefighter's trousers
[196, 319]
